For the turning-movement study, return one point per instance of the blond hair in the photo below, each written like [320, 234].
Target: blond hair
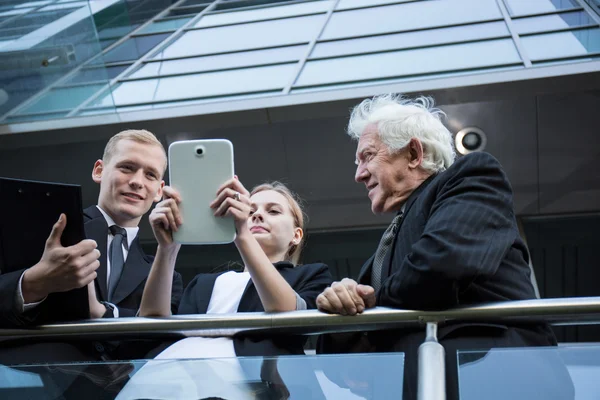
[137, 135]
[293, 253]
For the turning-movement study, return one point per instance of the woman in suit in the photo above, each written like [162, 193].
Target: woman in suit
[270, 232]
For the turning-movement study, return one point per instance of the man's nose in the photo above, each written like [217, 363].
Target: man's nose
[361, 174]
[137, 179]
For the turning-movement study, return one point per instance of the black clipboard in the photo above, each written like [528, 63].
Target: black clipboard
[29, 209]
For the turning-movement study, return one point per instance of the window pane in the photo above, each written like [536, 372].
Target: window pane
[223, 61]
[29, 23]
[410, 39]
[263, 13]
[232, 4]
[194, 2]
[551, 22]
[204, 85]
[165, 25]
[409, 16]
[346, 4]
[134, 48]
[70, 6]
[190, 11]
[410, 62]
[524, 7]
[562, 44]
[62, 99]
[245, 37]
[97, 74]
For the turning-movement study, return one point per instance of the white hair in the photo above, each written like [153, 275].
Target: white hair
[399, 119]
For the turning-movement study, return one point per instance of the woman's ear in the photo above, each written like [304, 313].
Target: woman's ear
[298, 235]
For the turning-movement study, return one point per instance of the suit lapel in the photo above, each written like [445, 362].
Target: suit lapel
[204, 289]
[245, 303]
[386, 269]
[135, 270]
[97, 229]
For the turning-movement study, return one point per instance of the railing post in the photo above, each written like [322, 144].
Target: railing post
[432, 371]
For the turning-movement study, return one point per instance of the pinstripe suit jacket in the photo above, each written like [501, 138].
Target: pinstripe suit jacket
[458, 243]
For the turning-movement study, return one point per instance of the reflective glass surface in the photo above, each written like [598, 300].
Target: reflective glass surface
[97, 74]
[562, 44]
[525, 7]
[348, 377]
[133, 48]
[62, 99]
[559, 373]
[552, 22]
[208, 84]
[410, 39]
[408, 16]
[346, 4]
[233, 17]
[409, 62]
[30, 22]
[240, 4]
[189, 10]
[244, 37]
[165, 25]
[42, 58]
[222, 61]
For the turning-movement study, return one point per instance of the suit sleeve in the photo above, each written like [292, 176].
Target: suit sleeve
[312, 283]
[468, 231]
[176, 292]
[10, 316]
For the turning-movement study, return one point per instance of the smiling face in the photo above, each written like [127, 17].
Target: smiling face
[389, 178]
[130, 180]
[273, 225]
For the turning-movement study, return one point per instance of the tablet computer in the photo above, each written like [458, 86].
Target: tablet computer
[29, 210]
[197, 168]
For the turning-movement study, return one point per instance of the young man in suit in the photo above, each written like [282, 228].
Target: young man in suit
[453, 241]
[110, 262]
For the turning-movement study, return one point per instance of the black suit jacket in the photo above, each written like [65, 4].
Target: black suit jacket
[128, 294]
[307, 280]
[458, 244]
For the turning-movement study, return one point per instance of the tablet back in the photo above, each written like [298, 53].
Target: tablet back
[197, 168]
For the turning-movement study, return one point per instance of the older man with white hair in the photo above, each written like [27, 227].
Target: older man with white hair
[453, 241]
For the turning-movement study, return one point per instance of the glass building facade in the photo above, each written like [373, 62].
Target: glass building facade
[76, 58]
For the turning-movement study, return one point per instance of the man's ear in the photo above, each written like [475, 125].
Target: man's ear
[97, 171]
[159, 192]
[415, 153]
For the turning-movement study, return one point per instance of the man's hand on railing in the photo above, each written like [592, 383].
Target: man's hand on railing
[346, 298]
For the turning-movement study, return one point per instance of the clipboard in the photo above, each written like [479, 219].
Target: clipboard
[29, 209]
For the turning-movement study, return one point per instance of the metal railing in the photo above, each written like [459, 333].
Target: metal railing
[431, 357]
[562, 311]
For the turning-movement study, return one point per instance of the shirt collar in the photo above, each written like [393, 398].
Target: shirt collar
[131, 231]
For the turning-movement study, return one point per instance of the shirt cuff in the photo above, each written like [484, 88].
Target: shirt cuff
[300, 303]
[20, 301]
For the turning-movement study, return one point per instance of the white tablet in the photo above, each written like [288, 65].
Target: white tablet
[197, 168]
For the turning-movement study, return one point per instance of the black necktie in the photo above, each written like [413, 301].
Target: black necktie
[384, 246]
[115, 252]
